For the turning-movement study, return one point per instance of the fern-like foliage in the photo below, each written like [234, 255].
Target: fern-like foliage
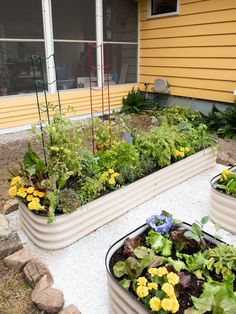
[135, 102]
[223, 122]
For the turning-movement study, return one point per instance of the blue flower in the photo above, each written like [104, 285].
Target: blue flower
[160, 223]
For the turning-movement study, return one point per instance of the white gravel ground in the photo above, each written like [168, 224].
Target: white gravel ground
[79, 269]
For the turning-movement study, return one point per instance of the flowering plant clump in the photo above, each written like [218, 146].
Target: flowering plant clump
[227, 182]
[32, 197]
[160, 223]
[157, 290]
[182, 152]
[111, 179]
[170, 272]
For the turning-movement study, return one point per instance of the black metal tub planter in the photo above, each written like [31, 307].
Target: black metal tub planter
[166, 266]
[223, 199]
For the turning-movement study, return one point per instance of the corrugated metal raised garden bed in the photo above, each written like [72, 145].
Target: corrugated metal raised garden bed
[223, 205]
[170, 270]
[67, 229]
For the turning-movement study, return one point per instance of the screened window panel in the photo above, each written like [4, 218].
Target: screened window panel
[72, 65]
[122, 61]
[163, 6]
[21, 19]
[16, 75]
[120, 20]
[74, 19]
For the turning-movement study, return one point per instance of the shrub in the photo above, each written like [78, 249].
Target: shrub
[223, 122]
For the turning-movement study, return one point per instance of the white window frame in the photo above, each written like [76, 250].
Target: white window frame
[49, 45]
[154, 16]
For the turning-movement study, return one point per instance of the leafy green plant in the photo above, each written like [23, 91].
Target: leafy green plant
[227, 182]
[222, 259]
[123, 157]
[177, 114]
[159, 144]
[196, 232]
[159, 243]
[135, 102]
[89, 190]
[68, 201]
[223, 122]
[217, 298]
[63, 143]
[105, 133]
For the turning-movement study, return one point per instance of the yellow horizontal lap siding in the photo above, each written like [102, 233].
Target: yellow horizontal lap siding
[23, 110]
[203, 63]
[213, 74]
[186, 31]
[196, 41]
[195, 50]
[184, 20]
[223, 86]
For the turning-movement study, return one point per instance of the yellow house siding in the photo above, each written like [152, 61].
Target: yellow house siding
[195, 51]
[22, 110]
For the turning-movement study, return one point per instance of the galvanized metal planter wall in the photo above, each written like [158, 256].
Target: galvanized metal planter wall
[223, 207]
[122, 301]
[67, 229]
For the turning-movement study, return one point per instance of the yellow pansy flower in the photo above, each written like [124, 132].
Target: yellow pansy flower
[173, 278]
[141, 281]
[168, 289]
[35, 205]
[29, 198]
[166, 304]
[155, 304]
[36, 200]
[22, 189]
[111, 181]
[153, 271]
[15, 180]
[115, 174]
[177, 153]
[182, 149]
[12, 191]
[142, 291]
[162, 271]
[35, 193]
[152, 285]
[224, 174]
[175, 305]
[187, 149]
[41, 194]
[111, 171]
[181, 154]
[30, 190]
[22, 192]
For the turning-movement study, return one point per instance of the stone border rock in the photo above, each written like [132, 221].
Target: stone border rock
[36, 273]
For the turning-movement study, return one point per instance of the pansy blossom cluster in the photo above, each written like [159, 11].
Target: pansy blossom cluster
[182, 152]
[32, 197]
[158, 290]
[111, 179]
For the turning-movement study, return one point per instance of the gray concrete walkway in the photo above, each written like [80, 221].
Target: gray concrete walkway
[79, 270]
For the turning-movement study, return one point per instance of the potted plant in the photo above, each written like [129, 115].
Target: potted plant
[223, 199]
[77, 191]
[166, 267]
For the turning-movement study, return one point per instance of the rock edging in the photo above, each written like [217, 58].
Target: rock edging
[36, 273]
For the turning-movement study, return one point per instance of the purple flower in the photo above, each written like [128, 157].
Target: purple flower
[160, 223]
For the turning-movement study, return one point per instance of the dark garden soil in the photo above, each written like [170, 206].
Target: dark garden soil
[15, 293]
[12, 153]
